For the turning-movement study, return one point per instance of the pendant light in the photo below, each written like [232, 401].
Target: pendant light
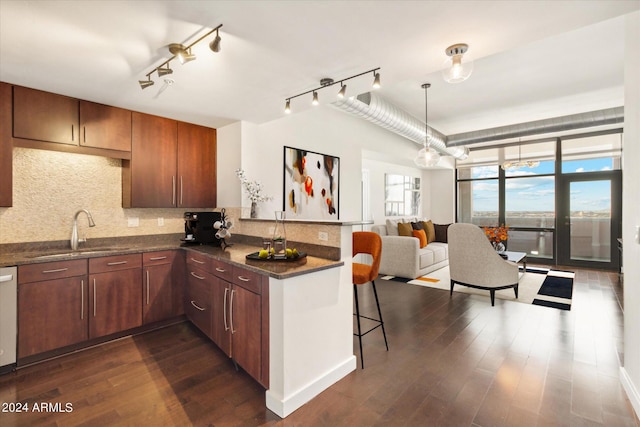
[520, 163]
[427, 156]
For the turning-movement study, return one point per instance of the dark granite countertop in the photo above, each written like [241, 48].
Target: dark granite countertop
[31, 253]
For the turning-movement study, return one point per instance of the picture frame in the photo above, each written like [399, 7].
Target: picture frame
[311, 185]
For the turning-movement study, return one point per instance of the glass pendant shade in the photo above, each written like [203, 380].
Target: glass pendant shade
[456, 70]
[427, 157]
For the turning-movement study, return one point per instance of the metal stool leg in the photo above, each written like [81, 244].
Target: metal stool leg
[355, 296]
[380, 314]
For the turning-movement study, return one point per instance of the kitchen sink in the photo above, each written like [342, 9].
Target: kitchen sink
[88, 251]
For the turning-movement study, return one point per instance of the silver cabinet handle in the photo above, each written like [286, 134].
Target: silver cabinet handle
[117, 263]
[84, 132]
[196, 276]
[173, 189]
[220, 270]
[57, 270]
[196, 306]
[157, 258]
[94, 298]
[231, 311]
[224, 305]
[197, 261]
[181, 193]
[147, 286]
[244, 279]
[82, 299]
[73, 138]
[6, 278]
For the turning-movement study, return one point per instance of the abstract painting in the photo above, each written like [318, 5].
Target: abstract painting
[311, 185]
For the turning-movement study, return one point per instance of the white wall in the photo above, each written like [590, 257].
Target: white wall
[228, 156]
[630, 373]
[440, 195]
[324, 130]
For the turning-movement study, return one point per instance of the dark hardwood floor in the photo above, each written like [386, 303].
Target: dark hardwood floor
[451, 362]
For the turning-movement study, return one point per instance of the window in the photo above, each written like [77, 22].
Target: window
[592, 154]
[402, 195]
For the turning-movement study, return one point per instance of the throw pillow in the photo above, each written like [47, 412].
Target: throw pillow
[392, 226]
[417, 225]
[430, 230]
[420, 234]
[441, 232]
[404, 229]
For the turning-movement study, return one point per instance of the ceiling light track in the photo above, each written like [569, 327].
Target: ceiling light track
[184, 55]
[326, 82]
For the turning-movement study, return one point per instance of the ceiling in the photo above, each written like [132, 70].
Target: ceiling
[533, 59]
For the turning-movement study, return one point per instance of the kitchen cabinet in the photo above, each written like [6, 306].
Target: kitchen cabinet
[196, 167]
[45, 116]
[52, 306]
[115, 294]
[161, 288]
[198, 298]
[240, 313]
[172, 164]
[103, 126]
[6, 146]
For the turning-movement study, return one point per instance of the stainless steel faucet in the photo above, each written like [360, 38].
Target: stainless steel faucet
[74, 230]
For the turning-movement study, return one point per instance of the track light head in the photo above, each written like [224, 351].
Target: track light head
[315, 98]
[184, 55]
[343, 91]
[215, 44]
[376, 80]
[287, 107]
[164, 71]
[146, 83]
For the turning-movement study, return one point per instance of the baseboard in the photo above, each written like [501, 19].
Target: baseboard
[631, 390]
[285, 406]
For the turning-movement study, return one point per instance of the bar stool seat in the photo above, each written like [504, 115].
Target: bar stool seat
[367, 242]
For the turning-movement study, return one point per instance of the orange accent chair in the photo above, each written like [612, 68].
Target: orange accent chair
[367, 242]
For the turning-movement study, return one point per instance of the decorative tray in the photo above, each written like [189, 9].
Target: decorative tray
[255, 257]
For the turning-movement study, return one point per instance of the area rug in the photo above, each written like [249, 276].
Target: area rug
[538, 286]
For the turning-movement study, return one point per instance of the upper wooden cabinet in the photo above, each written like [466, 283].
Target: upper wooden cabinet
[44, 116]
[6, 147]
[102, 126]
[173, 164]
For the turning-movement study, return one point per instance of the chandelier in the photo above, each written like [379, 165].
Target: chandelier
[511, 165]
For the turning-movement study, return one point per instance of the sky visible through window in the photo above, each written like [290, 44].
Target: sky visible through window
[537, 193]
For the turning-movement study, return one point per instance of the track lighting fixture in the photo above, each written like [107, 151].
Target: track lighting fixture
[326, 82]
[215, 44]
[455, 70]
[183, 54]
[146, 83]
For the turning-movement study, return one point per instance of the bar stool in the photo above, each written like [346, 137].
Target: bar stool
[367, 242]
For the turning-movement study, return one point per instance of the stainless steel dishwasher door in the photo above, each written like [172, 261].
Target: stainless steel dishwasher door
[8, 316]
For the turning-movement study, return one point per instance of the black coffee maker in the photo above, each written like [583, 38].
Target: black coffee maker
[198, 228]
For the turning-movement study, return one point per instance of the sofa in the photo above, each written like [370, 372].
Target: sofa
[402, 255]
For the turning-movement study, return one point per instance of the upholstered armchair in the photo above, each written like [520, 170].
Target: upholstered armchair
[474, 263]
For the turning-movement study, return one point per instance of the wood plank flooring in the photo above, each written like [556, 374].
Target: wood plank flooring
[451, 362]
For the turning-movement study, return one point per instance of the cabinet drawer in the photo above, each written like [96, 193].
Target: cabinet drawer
[249, 280]
[51, 270]
[198, 299]
[114, 263]
[157, 258]
[199, 260]
[222, 270]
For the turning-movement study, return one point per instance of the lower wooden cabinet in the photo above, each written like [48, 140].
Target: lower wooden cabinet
[197, 305]
[161, 286]
[115, 294]
[245, 321]
[52, 306]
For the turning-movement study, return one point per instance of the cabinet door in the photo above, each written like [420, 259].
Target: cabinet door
[103, 126]
[196, 166]
[153, 163]
[6, 146]
[116, 301]
[221, 330]
[198, 299]
[52, 314]
[246, 332]
[158, 293]
[45, 116]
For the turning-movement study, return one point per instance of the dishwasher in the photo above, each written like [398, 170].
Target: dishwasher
[8, 318]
